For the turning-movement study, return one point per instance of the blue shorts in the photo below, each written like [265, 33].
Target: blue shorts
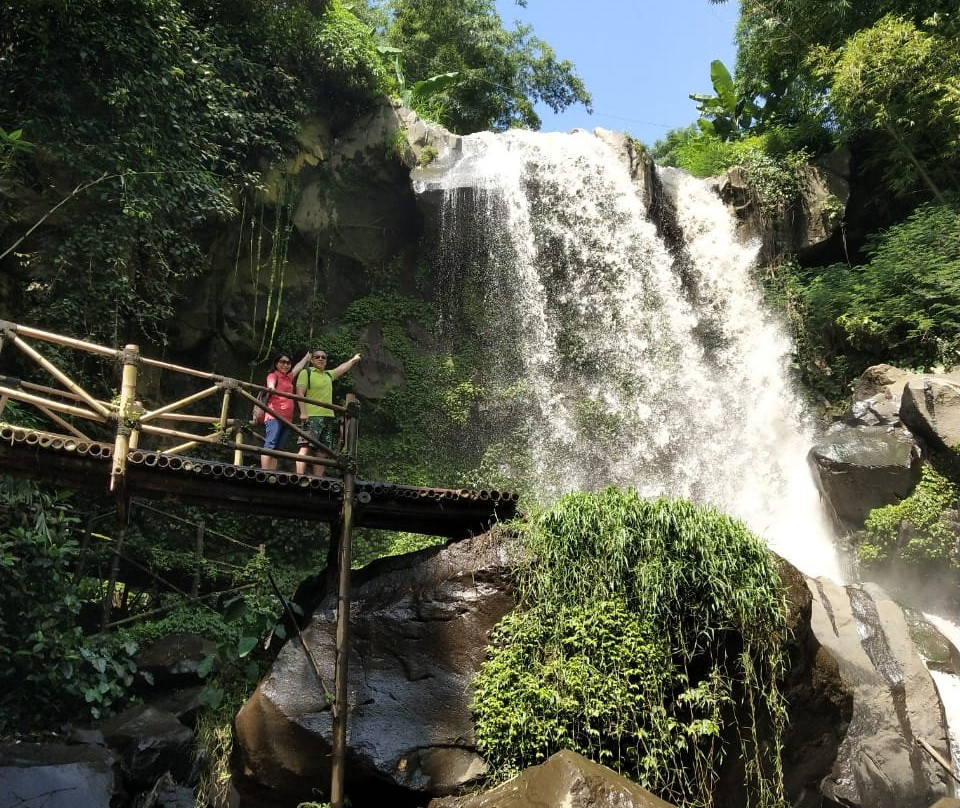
[276, 434]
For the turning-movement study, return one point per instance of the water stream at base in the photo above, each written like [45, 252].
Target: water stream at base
[619, 355]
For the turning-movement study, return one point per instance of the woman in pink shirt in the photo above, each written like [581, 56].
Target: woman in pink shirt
[280, 379]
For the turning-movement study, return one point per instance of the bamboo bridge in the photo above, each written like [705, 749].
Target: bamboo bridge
[91, 444]
[64, 434]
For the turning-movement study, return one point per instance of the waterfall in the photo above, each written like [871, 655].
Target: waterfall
[622, 350]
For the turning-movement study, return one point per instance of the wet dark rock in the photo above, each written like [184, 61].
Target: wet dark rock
[34, 775]
[565, 780]
[895, 701]
[173, 661]
[419, 630]
[859, 468]
[150, 742]
[930, 407]
[876, 397]
[819, 703]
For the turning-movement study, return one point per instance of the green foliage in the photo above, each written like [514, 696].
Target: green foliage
[425, 425]
[902, 81]
[903, 306]
[777, 182]
[163, 112]
[641, 624]
[726, 115]
[879, 76]
[776, 178]
[914, 530]
[500, 75]
[12, 144]
[51, 671]
[369, 545]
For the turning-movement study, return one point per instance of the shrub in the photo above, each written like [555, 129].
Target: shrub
[51, 671]
[913, 529]
[641, 624]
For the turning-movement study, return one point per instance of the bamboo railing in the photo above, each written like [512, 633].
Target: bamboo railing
[134, 425]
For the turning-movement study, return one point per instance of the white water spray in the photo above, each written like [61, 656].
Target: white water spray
[630, 361]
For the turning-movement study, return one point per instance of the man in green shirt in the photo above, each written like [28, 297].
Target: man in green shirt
[316, 382]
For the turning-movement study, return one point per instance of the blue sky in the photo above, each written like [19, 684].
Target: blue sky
[640, 59]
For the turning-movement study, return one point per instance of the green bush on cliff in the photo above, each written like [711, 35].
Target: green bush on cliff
[642, 627]
[913, 529]
[901, 307]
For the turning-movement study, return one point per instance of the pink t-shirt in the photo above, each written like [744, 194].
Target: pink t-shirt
[284, 383]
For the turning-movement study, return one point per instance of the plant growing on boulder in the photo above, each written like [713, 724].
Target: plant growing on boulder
[648, 634]
[914, 530]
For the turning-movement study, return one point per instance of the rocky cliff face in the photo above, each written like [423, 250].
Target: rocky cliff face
[324, 232]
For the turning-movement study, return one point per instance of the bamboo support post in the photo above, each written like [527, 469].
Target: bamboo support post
[341, 698]
[237, 450]
[114, 574]
[128, 395]
[195, 589]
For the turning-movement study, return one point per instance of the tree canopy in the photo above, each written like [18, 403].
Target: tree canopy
[501, 74]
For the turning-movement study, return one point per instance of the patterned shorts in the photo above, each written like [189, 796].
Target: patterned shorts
[322, 429]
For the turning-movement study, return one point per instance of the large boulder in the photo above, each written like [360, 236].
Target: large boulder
[811, 226]
[930, 407]
[565, 780]
[419, 631]
[150, 742]
[36, 775]
[876, 396]
[859, 468]
[895, 702]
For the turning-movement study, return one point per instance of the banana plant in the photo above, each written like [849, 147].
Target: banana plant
[419, 91]
[724, 114]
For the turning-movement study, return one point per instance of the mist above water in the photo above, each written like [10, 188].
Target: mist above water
[624, 351]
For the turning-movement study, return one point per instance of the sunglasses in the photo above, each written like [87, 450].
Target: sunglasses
[319, 356]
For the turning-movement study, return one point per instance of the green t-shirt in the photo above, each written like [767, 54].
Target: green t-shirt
[319, 386]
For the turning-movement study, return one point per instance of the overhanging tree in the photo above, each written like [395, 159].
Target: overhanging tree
[501, 74]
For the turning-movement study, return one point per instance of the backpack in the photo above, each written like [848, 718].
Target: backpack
[259, 414]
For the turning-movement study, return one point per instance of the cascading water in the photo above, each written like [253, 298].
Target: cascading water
[620, 353]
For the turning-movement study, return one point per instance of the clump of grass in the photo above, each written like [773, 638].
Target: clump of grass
[647, 632]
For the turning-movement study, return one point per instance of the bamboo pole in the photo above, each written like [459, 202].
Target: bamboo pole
[62, 377]
[937, 757]
[237, 448]
[69, 409]
[341, 698]
[61, 422]
[114, 574]
[152, 414]
[195, 589]
[12, 329]
[128, 395]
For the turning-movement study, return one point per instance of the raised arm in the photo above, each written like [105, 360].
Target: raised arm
[300, 365]
[339, 370]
